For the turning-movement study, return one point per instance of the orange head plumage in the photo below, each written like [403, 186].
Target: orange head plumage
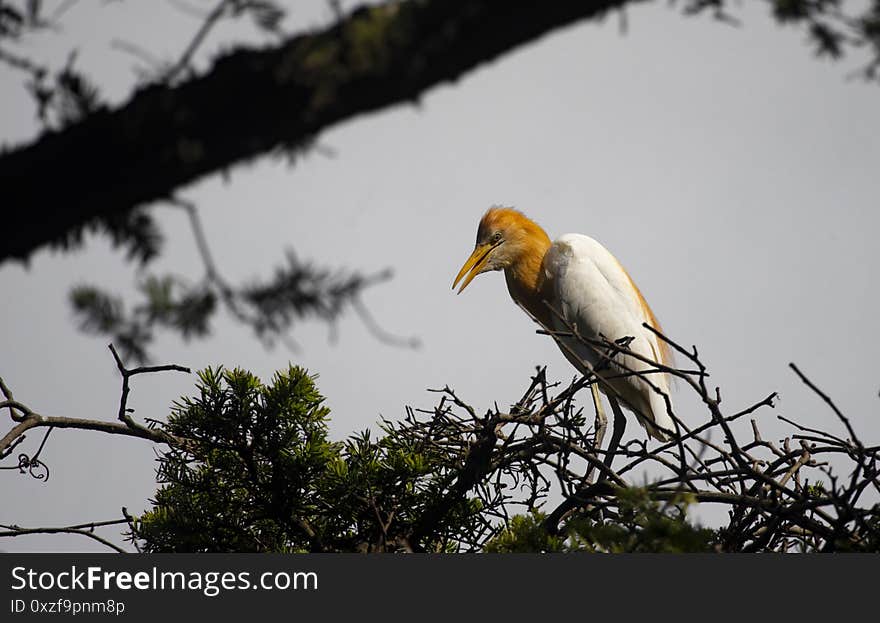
[506, 240]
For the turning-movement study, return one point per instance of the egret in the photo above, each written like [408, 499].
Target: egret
[578, 291]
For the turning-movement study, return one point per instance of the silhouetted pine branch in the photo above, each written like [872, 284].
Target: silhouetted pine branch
[296, 292]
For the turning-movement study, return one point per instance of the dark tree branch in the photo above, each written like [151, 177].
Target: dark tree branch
[252, 102]
[255, 101]
[852, 433]
[476, 465]
[126, 374]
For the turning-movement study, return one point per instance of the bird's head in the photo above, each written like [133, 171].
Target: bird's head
[505, 237]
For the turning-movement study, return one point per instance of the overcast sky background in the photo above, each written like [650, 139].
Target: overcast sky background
[732, 173]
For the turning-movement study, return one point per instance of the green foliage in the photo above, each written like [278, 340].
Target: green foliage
[640, 525]
[260, 474]
[525, 534]
[247, 475]
[256, 452]
[644, 525]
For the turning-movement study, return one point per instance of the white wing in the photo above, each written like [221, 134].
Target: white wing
[595, 295]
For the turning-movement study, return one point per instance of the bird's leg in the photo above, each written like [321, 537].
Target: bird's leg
[600, 426]
[617, 432]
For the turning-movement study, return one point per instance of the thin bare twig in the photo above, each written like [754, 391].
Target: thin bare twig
[86, 530]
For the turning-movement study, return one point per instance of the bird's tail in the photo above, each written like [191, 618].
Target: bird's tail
[650, 409]
[660, 434]
[660, 425]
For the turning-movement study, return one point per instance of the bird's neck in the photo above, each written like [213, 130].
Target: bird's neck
[524, 277]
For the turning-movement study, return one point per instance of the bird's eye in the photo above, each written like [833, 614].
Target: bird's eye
[496, 237]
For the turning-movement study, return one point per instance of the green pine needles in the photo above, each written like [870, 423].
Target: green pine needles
[259, 474]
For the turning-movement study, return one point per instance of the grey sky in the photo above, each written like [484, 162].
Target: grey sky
[733, 174]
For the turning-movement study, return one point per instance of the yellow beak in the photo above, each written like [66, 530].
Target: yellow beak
[473, 266]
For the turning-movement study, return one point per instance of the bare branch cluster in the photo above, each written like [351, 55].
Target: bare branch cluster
[25, 418]
[780, 496]
[85, 529]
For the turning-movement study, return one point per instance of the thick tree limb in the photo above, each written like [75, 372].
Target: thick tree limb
[254, 101]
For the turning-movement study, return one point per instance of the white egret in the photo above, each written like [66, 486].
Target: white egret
[574, 287]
